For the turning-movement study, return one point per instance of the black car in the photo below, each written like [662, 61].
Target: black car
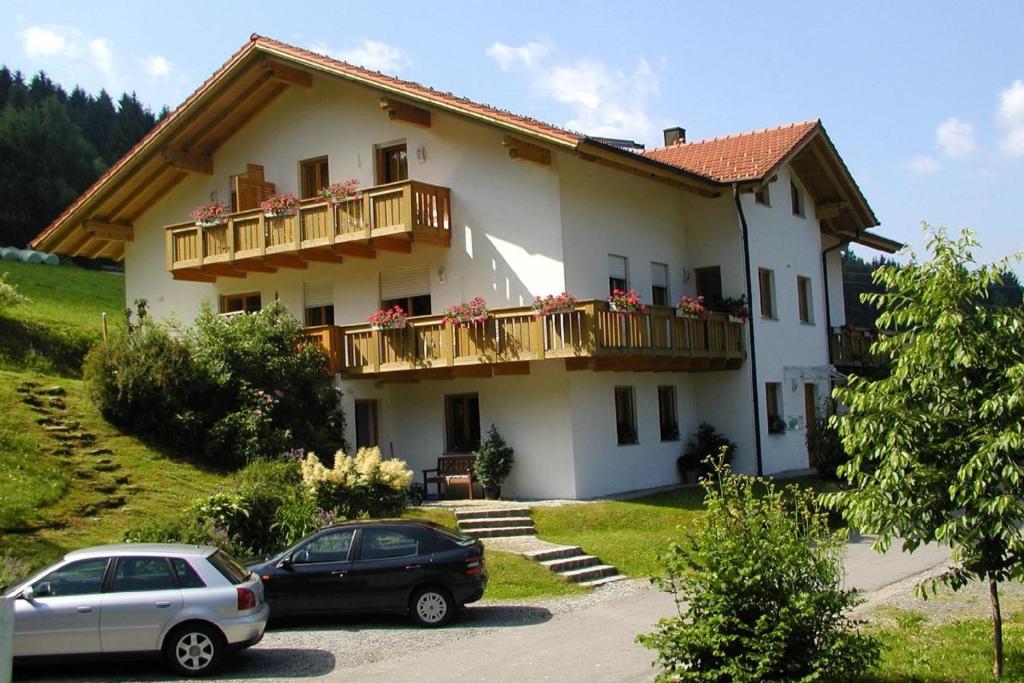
[414, 567]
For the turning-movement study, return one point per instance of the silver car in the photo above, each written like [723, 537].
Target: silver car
[190, 604]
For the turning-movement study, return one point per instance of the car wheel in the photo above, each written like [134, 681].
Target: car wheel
[432, 607]
[194, 649]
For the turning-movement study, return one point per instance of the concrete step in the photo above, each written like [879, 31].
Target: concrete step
[491, 522]
[498, 532]
[603, 580]
[492, 514]
[569, 563]
[555, 553]
[590, 573]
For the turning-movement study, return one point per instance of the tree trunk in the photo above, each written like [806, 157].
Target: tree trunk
[997, 628]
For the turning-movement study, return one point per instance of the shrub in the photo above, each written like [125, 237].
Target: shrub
[824, 443]
[12, 569]
[701, 450]
[364, 485]
[494, 460]
[758, 592]
[9, 295]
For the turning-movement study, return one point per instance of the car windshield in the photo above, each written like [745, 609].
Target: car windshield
[231, 570]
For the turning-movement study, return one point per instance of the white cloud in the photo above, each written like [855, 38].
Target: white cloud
[102, 55]
[156, 66]
[603, 100]
[44, 41]
[370, 54]
[527, 55]
[923, 165]
[956, 138]
[1010, 116]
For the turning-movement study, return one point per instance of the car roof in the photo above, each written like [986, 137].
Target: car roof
[386, 522]
[122, 549]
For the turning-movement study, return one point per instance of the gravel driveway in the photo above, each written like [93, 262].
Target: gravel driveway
[301, 650]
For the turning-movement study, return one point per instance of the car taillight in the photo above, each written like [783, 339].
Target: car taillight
[473, 565]
[246, 599]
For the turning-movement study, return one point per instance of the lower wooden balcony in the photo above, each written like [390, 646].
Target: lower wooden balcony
[589, 338]
[851, 348]
[387, 217]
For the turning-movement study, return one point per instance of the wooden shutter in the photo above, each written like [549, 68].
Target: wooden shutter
[400, 283]
[251, 188]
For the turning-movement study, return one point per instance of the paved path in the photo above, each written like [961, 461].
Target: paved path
[588, 638]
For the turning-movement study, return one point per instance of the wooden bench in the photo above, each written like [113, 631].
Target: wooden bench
[451, 468]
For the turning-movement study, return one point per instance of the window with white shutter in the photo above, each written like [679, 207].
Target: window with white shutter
[408, 288]
[659, 284]
[318, 300]
[618, 273]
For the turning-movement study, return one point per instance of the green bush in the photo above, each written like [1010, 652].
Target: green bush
[234, 389]
[494, 460]
[705, 445]
[758, 592]
[9, 295]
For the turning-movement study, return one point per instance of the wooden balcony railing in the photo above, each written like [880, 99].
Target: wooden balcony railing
[406, 210]
[851, 347]
[591, 337]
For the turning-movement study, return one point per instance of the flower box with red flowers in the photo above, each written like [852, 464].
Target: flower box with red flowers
[470, 313]
[210, 215]
[336, 193]
[692, 307]
[625, 301]
[554, 304]
[280, 205]
[389, 319]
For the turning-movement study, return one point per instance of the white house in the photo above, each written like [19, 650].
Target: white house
[460, 200]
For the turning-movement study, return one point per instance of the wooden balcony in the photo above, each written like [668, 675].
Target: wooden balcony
[590, 337]
[851, 348]
[387, 217]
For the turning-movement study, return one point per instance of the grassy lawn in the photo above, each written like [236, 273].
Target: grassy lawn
[52, 333]
[959, 651]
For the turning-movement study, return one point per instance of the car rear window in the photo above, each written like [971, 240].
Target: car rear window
[451, 536]
[231, 570]
[187, 576]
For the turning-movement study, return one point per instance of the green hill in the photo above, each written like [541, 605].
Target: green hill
[67, 478]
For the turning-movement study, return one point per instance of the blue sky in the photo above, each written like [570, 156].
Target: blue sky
[925, 100]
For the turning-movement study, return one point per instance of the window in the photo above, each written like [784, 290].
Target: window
[762, 196]
[618, 273]
[142, 574]
[659, 284]
[798, 199]
[228, 568]
[366, 424]
[803, 298]
[462, 422]
[773, 405]
[625, 416]
[318, 301]
[187, 577]
[766, 290]
[83, 577]
[392, 164]
[385, 544]
[313, 176]
[330, 547]
[241, 303]
[407, 287]
[667, 415]
[709, 284]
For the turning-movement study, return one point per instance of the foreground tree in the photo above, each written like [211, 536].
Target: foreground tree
[937, 447]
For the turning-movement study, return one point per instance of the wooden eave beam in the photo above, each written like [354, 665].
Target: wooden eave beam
[526, 151]
[286, 261]
[325, 255]
[223, 269]
[403, 111]
[286, 74]
[829, 210]
[355, 250]
[118, 232]
[254, 266]
[190, 162]
[398, 245]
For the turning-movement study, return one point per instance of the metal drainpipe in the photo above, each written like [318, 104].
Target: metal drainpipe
[828, 305]
[753, 347]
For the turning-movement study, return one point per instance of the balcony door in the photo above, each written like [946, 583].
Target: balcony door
[462, 423]
[709, 284]
[366, 424]
[392, 163]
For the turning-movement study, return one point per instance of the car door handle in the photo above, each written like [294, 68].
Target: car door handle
[84, 609]
[414, 566]
[339, 574]
[162, 603]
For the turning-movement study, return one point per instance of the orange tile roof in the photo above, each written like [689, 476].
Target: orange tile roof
[737, 158]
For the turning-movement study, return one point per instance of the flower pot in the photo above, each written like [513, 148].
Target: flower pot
[211, 224]
[736, 319]
[684, 314]
[492, 492]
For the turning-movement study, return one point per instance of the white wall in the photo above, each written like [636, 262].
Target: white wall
[836, 295]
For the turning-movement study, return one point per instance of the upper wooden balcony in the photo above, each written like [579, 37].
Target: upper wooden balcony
[590, 337]
[388, 217]
[851, 348]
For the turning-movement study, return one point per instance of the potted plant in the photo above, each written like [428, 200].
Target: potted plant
[210, 215]
[279, 205]
[706, 442]
[736, 308]
[472, 312]
[625, 301]
[336, 193]
[553, 304]
[389, 319]
[692, 307]
[493, 463]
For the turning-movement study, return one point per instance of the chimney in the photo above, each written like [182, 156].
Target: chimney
[675, 136]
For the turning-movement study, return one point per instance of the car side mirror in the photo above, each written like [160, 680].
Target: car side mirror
[285, 562]
[27, 594]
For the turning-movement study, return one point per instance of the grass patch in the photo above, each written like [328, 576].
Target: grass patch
[514, 577]
[52, 333]
[955, 652]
